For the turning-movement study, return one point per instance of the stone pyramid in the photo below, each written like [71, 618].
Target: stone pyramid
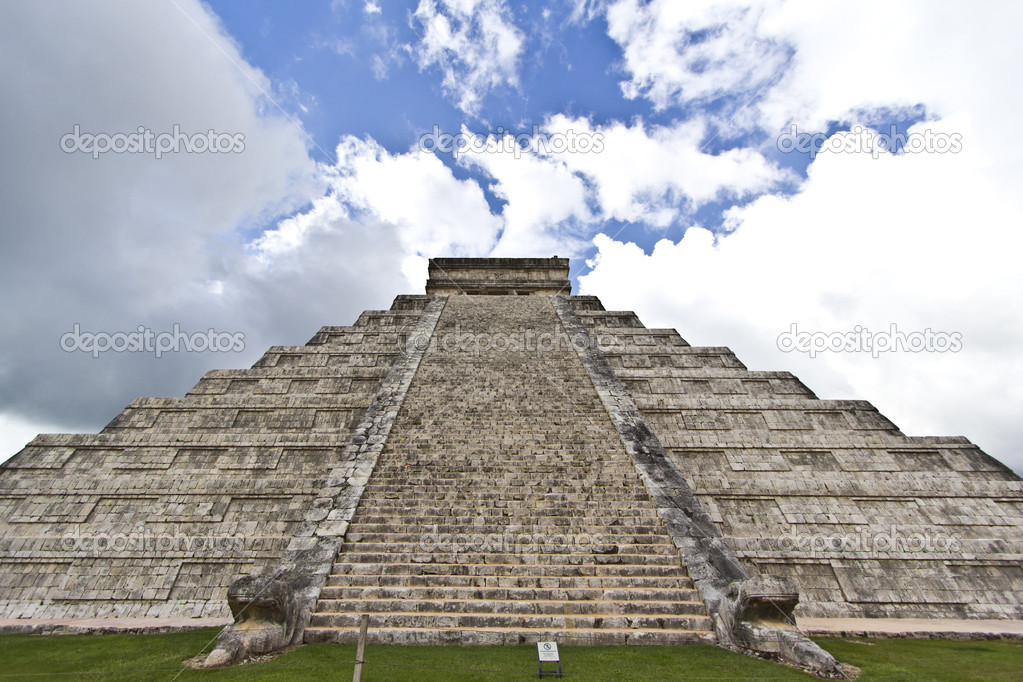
[498, 461]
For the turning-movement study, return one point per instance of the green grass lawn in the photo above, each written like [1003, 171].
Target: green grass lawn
[159, 657]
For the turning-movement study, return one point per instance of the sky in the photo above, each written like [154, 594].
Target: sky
[828, 189]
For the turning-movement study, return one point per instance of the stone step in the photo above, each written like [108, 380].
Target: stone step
[497, 521]
[507, 460]
[529, 465]
[434, 592]
[495, 480]
[430, 481]
[502, 538]
[425, 620]
[466, 448]
[529, 512]
[521, 461]
[521, 475]
[510, 581]
[522, 607]
[560, 423]
[501, 525]
[526, 492]
[525, 560]
[470, 543]
[505, 456]
[546, 571]
[448, 470]
[470, 489]
[557, 497]
[512, 636]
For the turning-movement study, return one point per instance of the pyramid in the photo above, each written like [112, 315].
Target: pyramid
[499, 462]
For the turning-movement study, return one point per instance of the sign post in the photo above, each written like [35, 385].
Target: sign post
[361, 648]
[547, 652]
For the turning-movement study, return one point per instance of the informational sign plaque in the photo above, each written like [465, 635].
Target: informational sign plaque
[547, 652]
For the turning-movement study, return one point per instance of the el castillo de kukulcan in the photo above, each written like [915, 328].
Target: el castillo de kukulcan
[498, 462]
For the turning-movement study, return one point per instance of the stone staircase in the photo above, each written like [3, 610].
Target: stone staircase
[504, 508]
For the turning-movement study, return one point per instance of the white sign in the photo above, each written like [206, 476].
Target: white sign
[547, 651]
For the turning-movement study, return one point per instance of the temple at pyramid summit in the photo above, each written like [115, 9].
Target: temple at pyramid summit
[498, 462]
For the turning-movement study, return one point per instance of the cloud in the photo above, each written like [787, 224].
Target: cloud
[126, 239]
[885, 55]
[435, 213]
[658, 174]
[475, 44]
[544, 200]
[412, 202]
[685, 53]
[923, 240]
[560, 182]
[776, 62]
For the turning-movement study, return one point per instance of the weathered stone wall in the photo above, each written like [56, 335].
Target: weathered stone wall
[498, 276]
[175, 498]
[867, 521]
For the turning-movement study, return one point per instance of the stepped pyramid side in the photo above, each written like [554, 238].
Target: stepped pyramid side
[156, 515]
[473, 418]
[867, 521]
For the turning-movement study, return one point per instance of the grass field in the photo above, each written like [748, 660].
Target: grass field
[159, 657]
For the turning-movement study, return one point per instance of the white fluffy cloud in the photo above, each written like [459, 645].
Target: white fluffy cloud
[475, 43]
[657, 174]
[880, 54]
[412, 199]
[437, 214]
[124, 240]
[544, 199]
[685, 52]
[572, 175]
[919, 240]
